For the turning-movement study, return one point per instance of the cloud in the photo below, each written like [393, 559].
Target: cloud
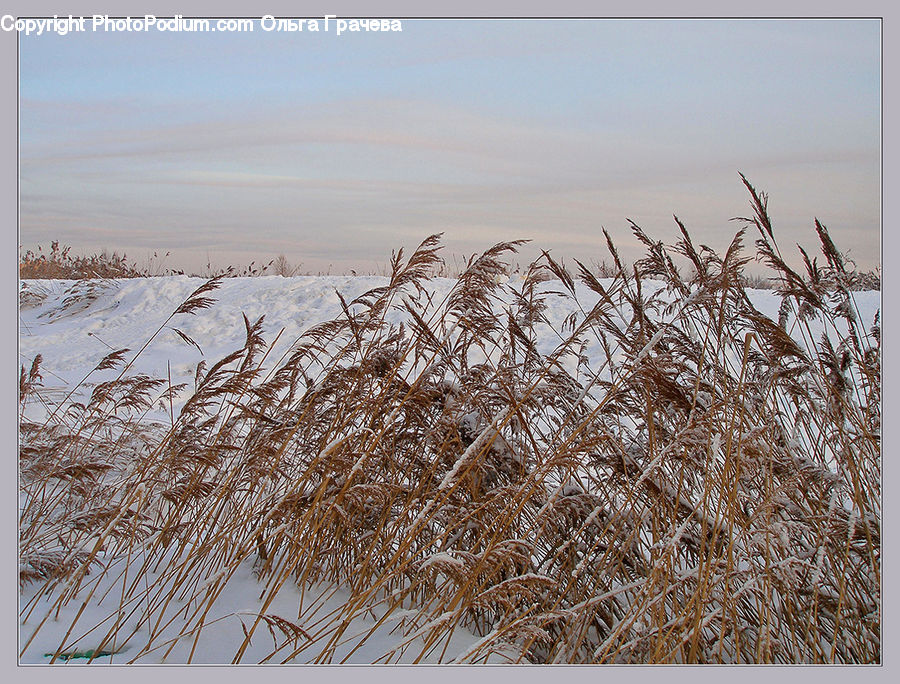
[509, 139]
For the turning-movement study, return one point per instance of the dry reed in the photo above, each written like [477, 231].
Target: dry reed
[711, 493]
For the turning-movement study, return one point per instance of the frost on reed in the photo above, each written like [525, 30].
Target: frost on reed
[711, 493]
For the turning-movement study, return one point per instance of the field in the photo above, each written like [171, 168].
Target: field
[543, 466]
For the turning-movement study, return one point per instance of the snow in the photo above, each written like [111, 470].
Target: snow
[238, 606]
[121, 314]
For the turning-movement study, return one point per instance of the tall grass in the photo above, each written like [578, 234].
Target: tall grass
[711, 493]
[58, 262]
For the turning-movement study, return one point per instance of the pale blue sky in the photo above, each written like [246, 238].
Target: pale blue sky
[336, 150]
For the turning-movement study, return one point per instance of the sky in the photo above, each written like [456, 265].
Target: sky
[228, 147]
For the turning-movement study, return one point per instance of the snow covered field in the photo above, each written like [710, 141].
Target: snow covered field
[233, 616]
[74, 324]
